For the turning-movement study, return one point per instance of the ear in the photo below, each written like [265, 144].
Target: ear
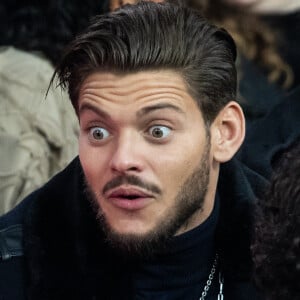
[227, 132]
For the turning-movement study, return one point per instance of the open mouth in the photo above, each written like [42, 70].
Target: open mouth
[128, 193]
[129, 197]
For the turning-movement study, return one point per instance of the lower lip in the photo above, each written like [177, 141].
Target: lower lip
[133, 204]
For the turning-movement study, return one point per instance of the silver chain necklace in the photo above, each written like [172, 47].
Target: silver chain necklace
[210, 279]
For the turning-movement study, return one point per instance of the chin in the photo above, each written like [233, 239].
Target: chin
[130, 228]
[132, 243]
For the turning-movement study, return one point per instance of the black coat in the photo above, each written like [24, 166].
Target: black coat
[271, 135]
[64, 256]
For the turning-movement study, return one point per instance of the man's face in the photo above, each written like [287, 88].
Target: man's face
[145, 153]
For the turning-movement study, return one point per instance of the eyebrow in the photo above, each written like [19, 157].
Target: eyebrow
[97, 110]
[140, 113]
[159, 106]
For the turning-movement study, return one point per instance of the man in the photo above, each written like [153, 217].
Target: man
[146, 212]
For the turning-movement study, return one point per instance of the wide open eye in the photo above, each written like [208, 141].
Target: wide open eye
[159, 132]
[99, 133]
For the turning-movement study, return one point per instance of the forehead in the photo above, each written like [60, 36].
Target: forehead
[129, 82]
[135, 88]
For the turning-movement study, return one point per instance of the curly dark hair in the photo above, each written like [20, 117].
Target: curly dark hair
[45, 26]
[276, 248]
[254, 38]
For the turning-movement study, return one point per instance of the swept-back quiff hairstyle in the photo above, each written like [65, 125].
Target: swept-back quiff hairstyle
[155, 36]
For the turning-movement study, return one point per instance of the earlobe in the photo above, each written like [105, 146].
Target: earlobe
[227, 132]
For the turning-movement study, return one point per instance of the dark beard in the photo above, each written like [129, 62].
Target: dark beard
[188, 201]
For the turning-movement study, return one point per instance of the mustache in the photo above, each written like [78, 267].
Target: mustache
[132, 180]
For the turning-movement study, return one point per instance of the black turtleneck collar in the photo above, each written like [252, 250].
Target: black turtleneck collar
[183, 268]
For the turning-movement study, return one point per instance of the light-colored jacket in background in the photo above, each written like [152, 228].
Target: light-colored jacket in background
[38, 136]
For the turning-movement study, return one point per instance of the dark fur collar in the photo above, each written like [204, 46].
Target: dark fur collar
[66, 255]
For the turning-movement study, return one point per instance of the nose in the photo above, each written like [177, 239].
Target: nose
[127, 154]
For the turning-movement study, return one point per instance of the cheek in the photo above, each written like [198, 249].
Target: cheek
[94, 164]
[174, 169]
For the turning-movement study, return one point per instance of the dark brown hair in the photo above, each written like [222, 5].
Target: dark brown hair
[149, 36]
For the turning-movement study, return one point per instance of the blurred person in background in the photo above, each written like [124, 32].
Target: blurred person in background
[283, 17]
[276, 248]
[38, 136]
